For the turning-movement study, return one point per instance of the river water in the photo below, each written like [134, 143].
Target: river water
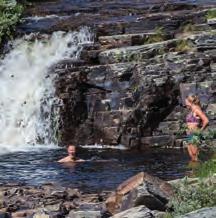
[105, 170]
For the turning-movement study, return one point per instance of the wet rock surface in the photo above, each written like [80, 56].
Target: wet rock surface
[49, 201]
[129, 85]
[140, 196]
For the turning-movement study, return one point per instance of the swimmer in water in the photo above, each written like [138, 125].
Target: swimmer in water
[71, 158]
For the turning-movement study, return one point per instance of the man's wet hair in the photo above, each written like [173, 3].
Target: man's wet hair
[71, 145]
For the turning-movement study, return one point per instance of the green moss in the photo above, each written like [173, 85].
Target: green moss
[10, 13]
[211, 14]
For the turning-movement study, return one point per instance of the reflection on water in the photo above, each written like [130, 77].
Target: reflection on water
[107, 168]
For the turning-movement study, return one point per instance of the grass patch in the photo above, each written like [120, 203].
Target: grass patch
[188, 28]
[158, 36]
[211, 14]
[10, 13]
[182, 46]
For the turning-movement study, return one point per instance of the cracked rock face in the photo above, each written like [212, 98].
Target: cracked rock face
[128, 87]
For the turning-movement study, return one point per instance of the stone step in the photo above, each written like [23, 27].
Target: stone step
[46, 7]
[191, 43]
[108, 18]
[117, 41]
[135, 53]
[163, 140]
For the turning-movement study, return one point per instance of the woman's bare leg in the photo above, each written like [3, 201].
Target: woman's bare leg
[189, 151]
[193, 152]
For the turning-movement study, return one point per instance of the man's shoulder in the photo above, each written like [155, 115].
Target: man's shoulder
[65, 159]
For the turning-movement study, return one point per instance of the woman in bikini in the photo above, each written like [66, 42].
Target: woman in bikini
[196, 121]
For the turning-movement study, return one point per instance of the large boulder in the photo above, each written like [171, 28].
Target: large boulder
[141, 189]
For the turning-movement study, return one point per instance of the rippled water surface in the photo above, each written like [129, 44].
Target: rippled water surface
[106, 169]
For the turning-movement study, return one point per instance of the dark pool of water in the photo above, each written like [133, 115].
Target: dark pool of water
[40, 167]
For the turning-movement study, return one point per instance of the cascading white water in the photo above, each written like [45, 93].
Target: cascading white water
[27, 92]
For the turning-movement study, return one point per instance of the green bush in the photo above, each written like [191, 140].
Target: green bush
[10, 13]
[190, 197]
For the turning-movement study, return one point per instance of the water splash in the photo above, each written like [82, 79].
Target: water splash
[27, 100]
[102, 147]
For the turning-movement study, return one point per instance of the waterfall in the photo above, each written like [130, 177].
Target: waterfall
[28, 106]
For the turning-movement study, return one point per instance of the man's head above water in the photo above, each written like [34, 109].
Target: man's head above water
[71, 149]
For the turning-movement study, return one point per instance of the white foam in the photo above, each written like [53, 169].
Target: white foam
[39, 18]
[100, 146]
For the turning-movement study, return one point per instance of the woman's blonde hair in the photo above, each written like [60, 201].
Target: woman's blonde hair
[194, 99]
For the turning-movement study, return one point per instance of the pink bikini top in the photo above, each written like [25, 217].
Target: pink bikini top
[192, 119]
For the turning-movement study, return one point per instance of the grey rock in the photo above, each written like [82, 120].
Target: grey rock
[41, 215]
[84, 214]
[141, 189]
[135, 212]
[135, 53]
[202, 213]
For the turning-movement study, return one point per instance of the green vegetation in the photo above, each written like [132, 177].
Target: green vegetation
[206, 169]
[158, 36]
[182, 46]
[10, 13]
[188, 28]
[211, 14]
[190, 197]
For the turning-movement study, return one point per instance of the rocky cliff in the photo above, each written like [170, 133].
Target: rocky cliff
[128, 86]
